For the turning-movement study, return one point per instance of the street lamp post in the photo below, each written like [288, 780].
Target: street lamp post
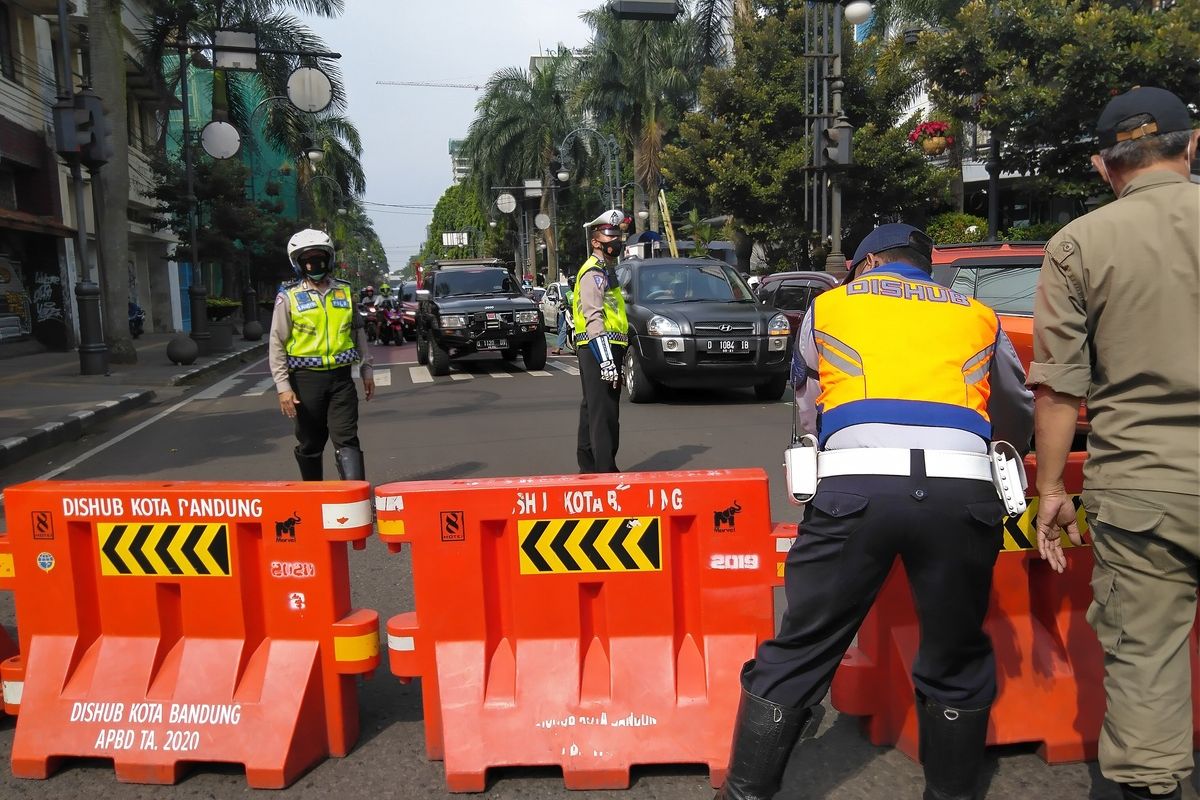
[612, 164]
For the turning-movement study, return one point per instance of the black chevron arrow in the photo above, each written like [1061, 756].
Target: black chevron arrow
[529, 546]
[219, 550]
[189, 550]
[1013, 526]
[139, 541]
[649, 543]
[110, 549]
[588, 545]
[619, 547]
[559, 545]
[163, 553]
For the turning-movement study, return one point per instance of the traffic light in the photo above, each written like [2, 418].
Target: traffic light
[66, 137]
[93, 134]
[834, 148]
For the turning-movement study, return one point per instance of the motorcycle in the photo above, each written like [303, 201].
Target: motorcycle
[137, 320]
[370, 322]
[391, 329]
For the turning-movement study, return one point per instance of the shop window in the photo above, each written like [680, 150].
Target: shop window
[7, 65]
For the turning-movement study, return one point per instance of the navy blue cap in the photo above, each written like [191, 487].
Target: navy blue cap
[894, 234]
[1167, 114]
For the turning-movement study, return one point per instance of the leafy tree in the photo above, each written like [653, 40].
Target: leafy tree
[746, 151]
[458, 209]
[1038, 72]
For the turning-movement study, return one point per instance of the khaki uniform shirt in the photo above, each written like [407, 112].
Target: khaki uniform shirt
[1117, 321]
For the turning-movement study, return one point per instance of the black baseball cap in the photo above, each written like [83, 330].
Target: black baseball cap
[1168, 115]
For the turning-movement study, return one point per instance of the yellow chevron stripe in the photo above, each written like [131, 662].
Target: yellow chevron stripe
[604, 544]
[636, 544]
[572, 545]
[206, 540]
[175, 548]
[543, 546]
[156, 533]
[1027, 524]
[124, 545]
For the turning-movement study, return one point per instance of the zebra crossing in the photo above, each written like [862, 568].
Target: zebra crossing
[400, 376]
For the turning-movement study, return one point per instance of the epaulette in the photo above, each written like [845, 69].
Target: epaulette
[283, 287]
[342, 281]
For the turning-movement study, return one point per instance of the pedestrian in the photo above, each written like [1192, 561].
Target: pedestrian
[315, 338]
[1117, 321]
[906, 385]
[601, 335]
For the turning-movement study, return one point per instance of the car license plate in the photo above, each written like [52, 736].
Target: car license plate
[728, 345]
[493, 344]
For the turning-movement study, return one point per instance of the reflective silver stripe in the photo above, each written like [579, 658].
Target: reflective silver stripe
[12, 691]
[978, 365]
[835, 358]
[604, 350]
[401, 643]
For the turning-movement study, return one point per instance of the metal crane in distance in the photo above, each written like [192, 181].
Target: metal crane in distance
[437, 84]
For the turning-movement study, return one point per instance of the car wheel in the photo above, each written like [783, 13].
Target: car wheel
[439, 358]
[772, 389]
[422, 353]
[534, 354]
[639, 387]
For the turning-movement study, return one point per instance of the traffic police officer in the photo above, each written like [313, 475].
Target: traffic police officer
[601, 336]
[315, 337]
[1117, 321]
[904, 383]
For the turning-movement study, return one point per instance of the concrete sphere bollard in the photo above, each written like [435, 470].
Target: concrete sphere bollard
[252, 331]
[182, 350]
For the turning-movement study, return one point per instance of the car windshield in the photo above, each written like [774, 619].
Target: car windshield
[408, 292]
[678, 283]
[795, 297]
[449, 283]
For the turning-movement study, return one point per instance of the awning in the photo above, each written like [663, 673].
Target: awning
[33, 223]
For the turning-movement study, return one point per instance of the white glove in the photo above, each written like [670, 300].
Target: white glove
[602, 350]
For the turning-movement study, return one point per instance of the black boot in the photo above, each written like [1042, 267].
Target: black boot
[763, 737]
[310, 467]
[1143, 793]
[951, 748]
[350, 464]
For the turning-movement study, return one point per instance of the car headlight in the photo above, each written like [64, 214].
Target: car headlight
[661, 326]
[527, 316]
[454, 320]
[779, 326]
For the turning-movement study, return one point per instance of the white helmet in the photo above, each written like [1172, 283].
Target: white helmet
[309, 239]
[754, 280]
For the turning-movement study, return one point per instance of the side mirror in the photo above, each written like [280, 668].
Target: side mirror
[422, 294]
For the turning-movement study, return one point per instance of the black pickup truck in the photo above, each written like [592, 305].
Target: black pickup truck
[472, 306]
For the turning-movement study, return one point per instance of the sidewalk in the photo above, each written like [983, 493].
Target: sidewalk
[44, 401]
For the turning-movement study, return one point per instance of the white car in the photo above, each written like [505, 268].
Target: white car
[549, 305]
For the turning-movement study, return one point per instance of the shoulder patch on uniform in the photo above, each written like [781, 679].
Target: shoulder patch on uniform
[601, 281]
[280, 298]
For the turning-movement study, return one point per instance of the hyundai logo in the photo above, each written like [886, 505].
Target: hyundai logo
[726, 328]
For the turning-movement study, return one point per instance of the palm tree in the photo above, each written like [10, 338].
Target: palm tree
[641, 77]
[341, 164]
[714, 21]
[519, 122]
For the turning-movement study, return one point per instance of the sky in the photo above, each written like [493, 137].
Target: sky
[406, 129]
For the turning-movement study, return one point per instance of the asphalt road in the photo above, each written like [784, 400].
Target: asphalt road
[484, 421]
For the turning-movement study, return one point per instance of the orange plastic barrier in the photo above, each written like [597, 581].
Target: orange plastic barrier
[1049, 664]
[8, 647]
[589, 622]
[163, 624]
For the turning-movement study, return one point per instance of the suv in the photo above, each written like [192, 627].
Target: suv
[1002, 276]
[694, 322]
[476, 305]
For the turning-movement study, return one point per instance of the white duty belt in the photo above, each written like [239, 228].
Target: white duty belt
[898, 461]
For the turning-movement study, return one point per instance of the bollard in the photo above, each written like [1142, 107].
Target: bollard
[93, 352]
[252, 329]
[199, 299]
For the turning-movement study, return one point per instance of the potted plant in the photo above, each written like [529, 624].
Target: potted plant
[220, 329]
[933, 137]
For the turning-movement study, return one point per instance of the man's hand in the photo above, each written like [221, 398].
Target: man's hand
[369, 386]
[609, 373]
[602, 350]
[287, 404]
[1056, 513]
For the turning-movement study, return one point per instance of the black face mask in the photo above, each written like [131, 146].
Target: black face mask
[611, 249]
[315, 269]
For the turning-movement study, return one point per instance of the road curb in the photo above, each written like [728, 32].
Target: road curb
[224, 364]
[69, 428]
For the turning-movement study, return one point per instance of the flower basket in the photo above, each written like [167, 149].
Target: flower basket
[933, 137]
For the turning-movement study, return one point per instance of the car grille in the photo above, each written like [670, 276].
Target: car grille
[715, 329]
[482, 321]
[723, 358]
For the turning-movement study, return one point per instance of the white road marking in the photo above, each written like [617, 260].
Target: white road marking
[462, 376]
[420, 375]
[567, 368]
[260, 387]
[383, 377]
[219, 388]
[541, 373]
[501, 374]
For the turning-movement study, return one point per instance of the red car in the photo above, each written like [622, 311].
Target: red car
[793, 294]
[1003, 276]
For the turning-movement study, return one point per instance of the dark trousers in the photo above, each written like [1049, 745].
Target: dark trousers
[599, 414]
[946, 531]
[328, 409]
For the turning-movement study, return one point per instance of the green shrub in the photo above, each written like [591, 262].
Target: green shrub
[957, 228]
[220, 308]
[1038, 232]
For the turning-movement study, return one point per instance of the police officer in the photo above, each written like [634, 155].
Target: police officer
[905, 384]
[1117, 321]
[601, 335]
[315, 337]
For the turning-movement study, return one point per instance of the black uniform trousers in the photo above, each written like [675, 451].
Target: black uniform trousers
[947, 532]
[328, 409]
[599, 414]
